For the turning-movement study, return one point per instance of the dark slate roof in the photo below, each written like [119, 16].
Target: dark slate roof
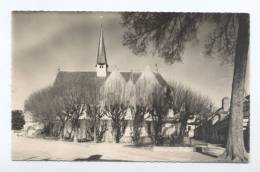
[127, 76]
[86, 78]
[90, 77]
[160, 79]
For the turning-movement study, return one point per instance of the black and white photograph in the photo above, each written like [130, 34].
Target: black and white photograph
[130, 86]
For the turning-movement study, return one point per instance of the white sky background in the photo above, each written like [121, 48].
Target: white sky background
[42, 42]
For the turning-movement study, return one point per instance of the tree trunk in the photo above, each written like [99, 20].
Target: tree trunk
[75, 138]
[235, 150]
[95, 131]
[61, 132]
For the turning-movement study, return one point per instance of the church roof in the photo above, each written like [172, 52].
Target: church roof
[86, 78]
[90, 77]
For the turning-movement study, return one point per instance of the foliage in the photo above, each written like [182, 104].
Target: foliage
[222, 40]
[17, 120]
[41, 105]
[166, 34]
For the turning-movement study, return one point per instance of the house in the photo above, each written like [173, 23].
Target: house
[31, 126]
[215, 128]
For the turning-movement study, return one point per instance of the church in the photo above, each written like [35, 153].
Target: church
[102, 72]
[102, 76]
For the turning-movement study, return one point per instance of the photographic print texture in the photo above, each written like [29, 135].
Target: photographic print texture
[130, 86]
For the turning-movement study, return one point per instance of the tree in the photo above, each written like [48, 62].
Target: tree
[17, 120]
[117, 113]
[40, 104]
[187, 103]
[177, 95]
[113, 93]
[77, 99]
[150, 100]
[97, 127]
[73, 99]
[48, 107]
[165, 34]
[138, 118]
[65, 103]
[159, 112]
[137, 110]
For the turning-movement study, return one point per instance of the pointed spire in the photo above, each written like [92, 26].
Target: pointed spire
[101, 56]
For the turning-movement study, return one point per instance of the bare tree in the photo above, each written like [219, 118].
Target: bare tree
[167, 34]
[72, 98]
[151, 99]
[40, 105]
[97, 127]
[113, 92]
[160, 106]
[117, 113]
[138, 119]
[79, 97]
[177, 91]
[188, 103]
[66, 103]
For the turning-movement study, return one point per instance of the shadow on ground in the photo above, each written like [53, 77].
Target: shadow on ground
[97, 158]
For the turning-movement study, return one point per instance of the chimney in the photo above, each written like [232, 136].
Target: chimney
[225, 104]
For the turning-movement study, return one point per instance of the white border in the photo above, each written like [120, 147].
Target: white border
[249, 6]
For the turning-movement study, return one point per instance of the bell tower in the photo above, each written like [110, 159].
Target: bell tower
[101, 66]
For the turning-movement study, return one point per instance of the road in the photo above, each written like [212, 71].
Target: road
[41, 149]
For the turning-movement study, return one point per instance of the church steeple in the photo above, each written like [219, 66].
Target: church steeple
[101, 66]
[101, 57]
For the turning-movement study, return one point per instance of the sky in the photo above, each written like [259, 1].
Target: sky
[43, 42]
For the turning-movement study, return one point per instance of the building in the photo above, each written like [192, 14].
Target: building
[102, 72]
[31, 127]
[215, 128]
[102, 76]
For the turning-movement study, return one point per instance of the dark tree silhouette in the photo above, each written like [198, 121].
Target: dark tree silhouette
[17, 120]
[165, 34]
